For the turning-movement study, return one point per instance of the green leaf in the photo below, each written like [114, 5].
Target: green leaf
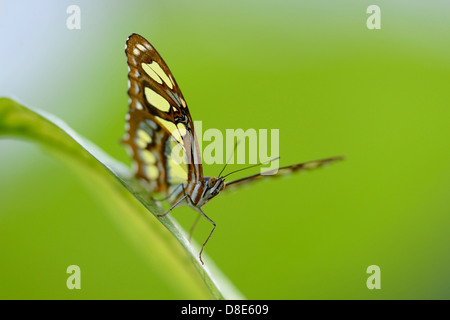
[162, 243]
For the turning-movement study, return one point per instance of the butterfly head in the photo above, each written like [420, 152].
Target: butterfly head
[212, 187]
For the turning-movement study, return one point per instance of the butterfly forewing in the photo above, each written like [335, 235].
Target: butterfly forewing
[160, 132]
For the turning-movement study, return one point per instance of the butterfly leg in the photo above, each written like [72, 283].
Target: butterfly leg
[191, 231]
[172, 207]
[214, 227]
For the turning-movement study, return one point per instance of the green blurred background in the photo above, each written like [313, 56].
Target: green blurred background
[309, 68]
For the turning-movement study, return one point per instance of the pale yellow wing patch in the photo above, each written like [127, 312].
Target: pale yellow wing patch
[142, 138]
[151, 171]
[172, 129]
[156, 100]
[147, 157]
[157, 68]
[177, 170]
[155, 72]
[152, 74]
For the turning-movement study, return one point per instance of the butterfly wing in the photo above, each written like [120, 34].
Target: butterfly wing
[287, 170]
[160, 132]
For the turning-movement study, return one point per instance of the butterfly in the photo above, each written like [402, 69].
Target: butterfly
[159, 122]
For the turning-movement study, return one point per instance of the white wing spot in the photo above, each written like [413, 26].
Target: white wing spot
[148, 46]
[171, 80]
[139, 105]
[183, 102]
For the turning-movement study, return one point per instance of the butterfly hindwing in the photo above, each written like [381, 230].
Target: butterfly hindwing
[159, 121]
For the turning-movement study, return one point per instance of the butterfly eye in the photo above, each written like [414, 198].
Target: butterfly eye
[211, 182]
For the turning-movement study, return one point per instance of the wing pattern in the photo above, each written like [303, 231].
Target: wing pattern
[159, 130]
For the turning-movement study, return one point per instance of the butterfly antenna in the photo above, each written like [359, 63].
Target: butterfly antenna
[229, 158]
[252, 166]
